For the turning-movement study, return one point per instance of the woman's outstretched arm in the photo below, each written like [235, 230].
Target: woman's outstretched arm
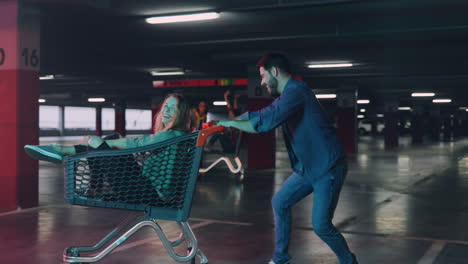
[145, 140]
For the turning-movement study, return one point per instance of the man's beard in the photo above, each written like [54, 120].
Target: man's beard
[273, 87]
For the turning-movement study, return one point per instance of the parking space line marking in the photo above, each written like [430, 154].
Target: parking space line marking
[432, 253]
[21, 211]
[223, 222]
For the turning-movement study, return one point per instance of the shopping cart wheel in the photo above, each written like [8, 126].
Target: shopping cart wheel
[188, 252]
[193, 261]
[239, 177]
[73, 252]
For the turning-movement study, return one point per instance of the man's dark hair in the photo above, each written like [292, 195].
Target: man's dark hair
[275, 60]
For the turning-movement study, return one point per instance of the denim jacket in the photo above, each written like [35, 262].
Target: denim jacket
[311, 140]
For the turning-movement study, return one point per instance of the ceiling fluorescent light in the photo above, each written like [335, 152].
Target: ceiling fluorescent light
[442, 101]
[463, 108]
[330, 65]
[219, 103]
[47, 77]
[166, 73]
[96, 100]
[41, 100]
[362, 110]
[360, 116]
[423, 94]
[380, 115]
[325, 96]
[182, 18]
[404, 108]
[363, 101]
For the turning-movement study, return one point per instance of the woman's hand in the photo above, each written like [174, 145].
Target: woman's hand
[94, 141]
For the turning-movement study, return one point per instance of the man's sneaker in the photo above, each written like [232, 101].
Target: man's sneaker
[47, 153]
[272, 262]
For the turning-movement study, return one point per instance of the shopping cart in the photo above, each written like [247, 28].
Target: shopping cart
[158, 179]
[225, 157]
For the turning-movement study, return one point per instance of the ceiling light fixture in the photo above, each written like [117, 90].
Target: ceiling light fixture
[437, 101]
[47, 77]
[329, 65]
[362, 110]
[360, 116]
[380, 115]
[166, 73]
[219, 103]
[404, 108]
[96, 100]
[363, 101]
[41, 100]
[423, 94]
[325, 96]
[182, 18]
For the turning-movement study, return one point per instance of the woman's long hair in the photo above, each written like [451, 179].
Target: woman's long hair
[179, 121]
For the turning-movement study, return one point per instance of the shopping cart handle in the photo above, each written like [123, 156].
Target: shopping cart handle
[205, 133]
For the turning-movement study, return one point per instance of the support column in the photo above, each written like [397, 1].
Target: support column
[435, 124]
[417, 124]
[464, 124]
[391, 123]
[346, 120]
[61, 127]
[448, 127]
[261, 148]
[99, 120]
[120, 118]
[458, 125]
[19, 109]
[374, 129]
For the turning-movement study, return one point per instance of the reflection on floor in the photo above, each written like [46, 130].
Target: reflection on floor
[397, 206]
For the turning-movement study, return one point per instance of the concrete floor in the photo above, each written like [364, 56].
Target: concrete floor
[402, 206]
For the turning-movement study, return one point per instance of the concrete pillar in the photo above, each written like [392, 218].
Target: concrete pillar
[464, 123]
[120, 107]
[448, 123]
[99, 120]
[391, 122]
[417, 124]
[346, 120]
[458, 125]
[19, 109]
[434, 127]
[61, 127]
[261, 148]
[374, 130]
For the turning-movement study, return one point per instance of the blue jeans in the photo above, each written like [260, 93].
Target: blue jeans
[326, 194]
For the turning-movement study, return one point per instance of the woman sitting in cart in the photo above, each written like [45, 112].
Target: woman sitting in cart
[173, 120]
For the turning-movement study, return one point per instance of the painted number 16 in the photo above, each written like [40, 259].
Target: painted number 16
[2, 56]
[30, 58]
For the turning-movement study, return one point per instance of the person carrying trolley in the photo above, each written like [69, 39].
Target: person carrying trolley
[316, 156]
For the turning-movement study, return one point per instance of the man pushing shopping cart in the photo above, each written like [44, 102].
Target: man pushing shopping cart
[316, 156]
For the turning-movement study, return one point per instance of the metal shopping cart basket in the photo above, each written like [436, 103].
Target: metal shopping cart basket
[158, 179]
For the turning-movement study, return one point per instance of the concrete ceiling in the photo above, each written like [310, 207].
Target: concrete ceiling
[105, 48]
